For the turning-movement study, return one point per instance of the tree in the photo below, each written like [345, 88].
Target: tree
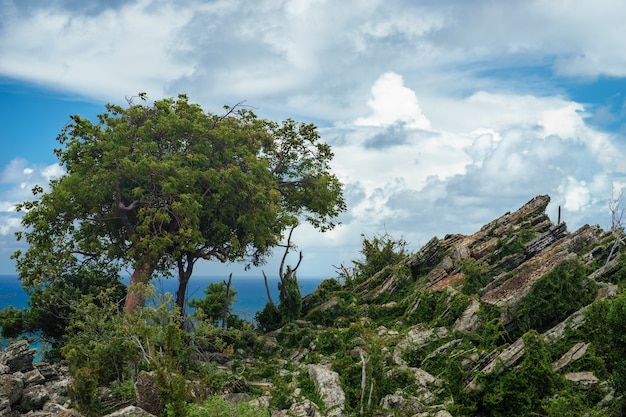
[158, 187]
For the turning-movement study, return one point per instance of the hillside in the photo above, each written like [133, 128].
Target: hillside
[521, 318]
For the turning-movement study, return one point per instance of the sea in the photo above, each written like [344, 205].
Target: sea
[250, 298]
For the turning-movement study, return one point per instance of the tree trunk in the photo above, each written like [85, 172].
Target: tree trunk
[183, 279]
[136, 296]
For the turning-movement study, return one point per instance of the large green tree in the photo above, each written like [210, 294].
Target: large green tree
[157, 187]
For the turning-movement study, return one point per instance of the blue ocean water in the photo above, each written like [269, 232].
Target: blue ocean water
[251, 294]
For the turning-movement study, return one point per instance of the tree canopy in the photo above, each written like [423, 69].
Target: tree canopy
[157, 187]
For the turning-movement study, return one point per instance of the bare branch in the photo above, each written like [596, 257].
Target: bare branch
[617, 227]
[267, 288]
[230, 111]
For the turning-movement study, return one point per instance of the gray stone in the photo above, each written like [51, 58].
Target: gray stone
[304, 408]
[469, 321]
[48, 371]
[33, 398]
[148, 393]
[404, 405]
[576, 352]
[130, 411]
[18, 357]
[5, 407]
[33, 377]
[11, 388]
[585, 380]
[327, 383]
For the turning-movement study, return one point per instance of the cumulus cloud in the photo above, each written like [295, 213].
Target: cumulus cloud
[393, 103]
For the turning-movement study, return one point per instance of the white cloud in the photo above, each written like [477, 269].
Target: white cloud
[392, 103]
[111, 54]
[577, 195]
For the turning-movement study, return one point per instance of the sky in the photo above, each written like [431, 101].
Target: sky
[443, 115]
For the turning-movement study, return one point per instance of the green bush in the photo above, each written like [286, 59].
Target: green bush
[475, 276]
[378, 252]
[555, 296]
[522, 390]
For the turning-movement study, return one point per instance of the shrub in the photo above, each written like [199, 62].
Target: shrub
[558, 294]
[217, 407]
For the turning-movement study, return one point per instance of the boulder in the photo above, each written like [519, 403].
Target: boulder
[33, 398]
[327, 383]
[469, 321]
[148, 394]
[33, 377]
[585, 380]
[11, 388]
[401, 404]
[304, 408]
[18, 357]
[69, 413]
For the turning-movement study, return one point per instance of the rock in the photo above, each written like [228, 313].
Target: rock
[576, 352]
[33, 398]
[33, 377]
[417, 336]
[11, 388]
[5, 406]
[406, 406]
[69, 413]
[4, 369]
[48, 371]
[18, 357]
[424, 379]
[469, 321]
[148, 394]
[585, 380]
[130, 411]
[327, 383]
[304, 408]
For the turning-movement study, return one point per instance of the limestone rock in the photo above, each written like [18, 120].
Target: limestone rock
[148, 394]
[304, 408]
[11, 387]
[33, 398]
[33, 377]
[69, 413]
[469, 321]
[5, 406]
[576, 352]
[404, 405]
[18, 357]
[327, 383]
[585, 380]
[130, 411]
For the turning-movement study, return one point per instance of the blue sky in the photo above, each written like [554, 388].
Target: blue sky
[442, 115]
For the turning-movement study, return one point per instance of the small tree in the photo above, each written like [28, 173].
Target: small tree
[379, 252]
[217, 295]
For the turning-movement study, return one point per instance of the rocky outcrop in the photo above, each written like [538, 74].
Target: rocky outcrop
[28, 387]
